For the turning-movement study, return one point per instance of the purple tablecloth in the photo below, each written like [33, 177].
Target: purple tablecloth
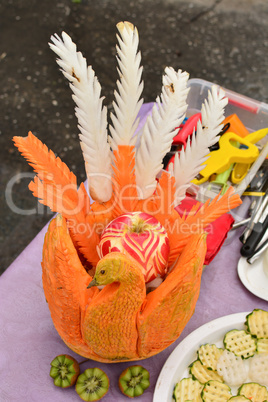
[28, 340]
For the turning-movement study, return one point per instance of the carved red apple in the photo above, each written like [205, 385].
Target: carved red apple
[141, 236]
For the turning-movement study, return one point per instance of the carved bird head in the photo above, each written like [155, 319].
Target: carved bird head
[115, 267]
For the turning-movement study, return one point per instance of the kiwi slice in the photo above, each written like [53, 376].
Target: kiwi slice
[64, 370]
[92, 384]
[134, 380]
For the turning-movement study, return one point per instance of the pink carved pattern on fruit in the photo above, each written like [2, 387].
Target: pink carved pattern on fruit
[142, 237]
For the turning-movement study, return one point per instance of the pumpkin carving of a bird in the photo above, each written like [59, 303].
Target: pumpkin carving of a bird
[101, 307]
[119, 322]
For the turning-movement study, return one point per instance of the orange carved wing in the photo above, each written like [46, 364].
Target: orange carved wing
[169, 307]
[65, 285]
[197, 219]
[56, 186]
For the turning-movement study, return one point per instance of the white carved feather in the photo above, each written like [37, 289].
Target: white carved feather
[91, 115]
[159, 130]
[129, 87]
[189, 163]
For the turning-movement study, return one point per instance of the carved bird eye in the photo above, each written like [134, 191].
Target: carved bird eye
[102, 271]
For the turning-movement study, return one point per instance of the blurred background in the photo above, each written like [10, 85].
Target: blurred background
[222, 41]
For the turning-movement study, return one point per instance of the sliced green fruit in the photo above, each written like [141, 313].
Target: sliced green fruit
[133, 381]
[203, 374]
[188, 390]
[209, 355]
[240, 342]
[253, 391]
[64, 370]
[216, 391]
[262, 345]
[92, 385]
[257, 323]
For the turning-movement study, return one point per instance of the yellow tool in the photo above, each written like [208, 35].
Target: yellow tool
[240, 169]
[221, 159]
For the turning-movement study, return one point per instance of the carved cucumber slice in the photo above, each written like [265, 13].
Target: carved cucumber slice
[240, 342]
[262, 345]
[209, 355]
[202, 373]
[188, 390]
[257, 323]
[216, 391]
[254, 391]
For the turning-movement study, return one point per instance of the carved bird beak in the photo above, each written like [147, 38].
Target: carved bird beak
[92, 283]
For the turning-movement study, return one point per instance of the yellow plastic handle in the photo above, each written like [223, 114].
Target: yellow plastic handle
[228, 153]
[257, 135]
[240, 169]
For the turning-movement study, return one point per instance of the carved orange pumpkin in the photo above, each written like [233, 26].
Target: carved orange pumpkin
[120, 322]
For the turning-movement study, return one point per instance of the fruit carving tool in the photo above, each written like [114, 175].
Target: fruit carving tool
[258, 231]
[259, 251]
[220, 182]
[257, 188]
[259, 182]
[238, 224]
[221, 159]
[187, 130]
[252, 171]
[256, 215]
[240, 169]
[254, 205]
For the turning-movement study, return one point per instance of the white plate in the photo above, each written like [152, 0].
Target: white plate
[253, 277]
[176, 366]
